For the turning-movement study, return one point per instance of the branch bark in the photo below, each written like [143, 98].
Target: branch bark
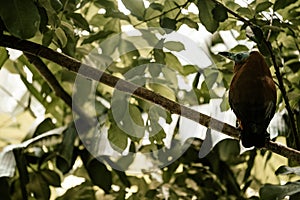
[122, 85]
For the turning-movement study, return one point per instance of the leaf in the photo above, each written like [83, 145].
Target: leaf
[106, 3]
[172, 62]
[239, 48]
[123, 177]
[47, 37]
[263, 6]
[206, 16]
[189, 69]
[280, 4]
[51, 177]
[163, 90]
[224, 106]
[245, 11]
[44, 126]
[79, 21]
[189, 22]
[65, 157]
[156, 6]
[159, 54]
[3, 56]
[97, 36]
[271, 192]
[56, 5]
[288, 170]
[99, 174]
[117, 138]
[136, 8]
[83, 191]
[174, 46]
[219, 13]
[21, 17]
[38, 186]
[61, 36]
[116, 14]
[168, 23]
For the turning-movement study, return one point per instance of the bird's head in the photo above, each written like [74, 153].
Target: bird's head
[238, 58]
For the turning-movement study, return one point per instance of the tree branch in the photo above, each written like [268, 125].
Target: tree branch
[57, 88]
[122, 85]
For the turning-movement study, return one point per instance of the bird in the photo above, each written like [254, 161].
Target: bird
[252, 96]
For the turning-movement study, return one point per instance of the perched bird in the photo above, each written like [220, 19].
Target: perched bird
[252, 96]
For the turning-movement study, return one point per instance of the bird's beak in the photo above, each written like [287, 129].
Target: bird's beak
[227, 55]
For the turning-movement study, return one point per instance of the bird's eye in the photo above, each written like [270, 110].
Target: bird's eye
[239, 56]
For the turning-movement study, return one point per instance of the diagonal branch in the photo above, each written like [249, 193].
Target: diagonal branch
[122, 85]
[56, 87]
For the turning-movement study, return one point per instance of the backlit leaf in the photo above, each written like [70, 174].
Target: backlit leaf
[174, 46]
[136, 8]
[3, 56]
[206, 16]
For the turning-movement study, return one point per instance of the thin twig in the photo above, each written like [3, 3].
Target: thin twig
[122, 85]
[163, 13]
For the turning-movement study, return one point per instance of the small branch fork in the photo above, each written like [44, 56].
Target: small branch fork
[32, 49]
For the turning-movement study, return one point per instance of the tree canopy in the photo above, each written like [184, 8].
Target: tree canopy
[128, 99]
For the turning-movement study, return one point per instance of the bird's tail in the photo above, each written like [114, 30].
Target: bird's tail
[254, 135]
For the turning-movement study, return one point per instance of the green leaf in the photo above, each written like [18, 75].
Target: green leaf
[106, 3]
[280, 4]
[99, 174]
[43, 127]
[79, 21]
[83, 90]
[174, 46]
[168, 23]
[156, 6]
[159, 55]
[61, 36]
[271, 192]
[239, 48]
[263, 6]
[206, 16]
[97, 36]
[56, 5]
[224, 104]
[65, 157]
[38, 186]
[79, 192]
[51, 177]
[117, 138]
[116, 14]
[136, 115]
[136, 8]
[245, 11]
[21, 17]
[189, 69]
[288, 170]
[189, 22]
[47, 37]
[163, 90]
[3, 56]
[219, 13]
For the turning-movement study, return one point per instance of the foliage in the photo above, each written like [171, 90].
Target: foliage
[79, 27]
